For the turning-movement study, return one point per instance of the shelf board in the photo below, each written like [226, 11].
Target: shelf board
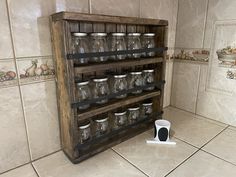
[118, 64]
[114, 104]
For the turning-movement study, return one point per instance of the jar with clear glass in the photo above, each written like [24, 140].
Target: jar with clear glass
[133, 42]
[101, 89]
[148, 41]
[133, 114]
[118, 43]
[83, 93]
[118, 84]
[136, 80]
[148, 78]
[147, 109]
[84, 132]
[120, 119]
[80, 45]
[99, 44]
[101, 125]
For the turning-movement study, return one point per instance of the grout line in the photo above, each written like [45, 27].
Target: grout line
[205, 21]
[129, 162]
[34, 170]
[218, 157]
[14, 168]
[198, 87]
[186, 142]
[182, 162]
[18, 79]
[90, 6]
[45, 156]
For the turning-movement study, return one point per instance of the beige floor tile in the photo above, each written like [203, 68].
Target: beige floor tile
[154, 160]
[106, 164]
[224, 145]
[24, 171]
[187, 127]
[202, 164]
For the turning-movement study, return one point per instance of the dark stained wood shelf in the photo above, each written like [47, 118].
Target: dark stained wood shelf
[113, 104]
[117, 64]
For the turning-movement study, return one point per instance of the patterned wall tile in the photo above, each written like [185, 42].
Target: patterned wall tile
[8, 75]
[35, 69]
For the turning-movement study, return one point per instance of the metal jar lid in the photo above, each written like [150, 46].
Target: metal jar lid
[118, 34]
[100, 120]
[120, 76]
[98, 34]
[102, 79]
[134, 34]
[82, 83]
[79, 34]
[148, 70]
[120, 113]
[149, 34]
[134, 108]
[136, 72]
[147, 104]
[84, 125]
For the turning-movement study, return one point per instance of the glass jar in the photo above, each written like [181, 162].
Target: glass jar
[148, 78]
[136, 80]
[147, 108]
[101, 125]
[117, 44]
[101, 89]
[119, 83]
[99, 44]
[83, 93]
[80, 45]
[120, 119]
[133, 42]
[148, 41]
[84, 132]
[133, 114]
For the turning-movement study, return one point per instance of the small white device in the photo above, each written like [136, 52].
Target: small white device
[161, 133]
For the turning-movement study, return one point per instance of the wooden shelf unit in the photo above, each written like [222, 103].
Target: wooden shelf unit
[65, 23]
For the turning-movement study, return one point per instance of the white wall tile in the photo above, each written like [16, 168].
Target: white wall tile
[41, 118]
[14, 148]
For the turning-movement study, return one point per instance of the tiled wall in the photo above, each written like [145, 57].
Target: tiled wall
[28, 113]
[196, 20]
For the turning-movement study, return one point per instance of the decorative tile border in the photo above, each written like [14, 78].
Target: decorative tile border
[8, 76]
[35, 69]
[231, 74]
[192, 54]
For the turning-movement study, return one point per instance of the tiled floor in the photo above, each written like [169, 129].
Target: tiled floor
[204, 148]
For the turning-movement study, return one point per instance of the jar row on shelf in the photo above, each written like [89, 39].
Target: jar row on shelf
[102, 42]
[104, 123]
[103, 86]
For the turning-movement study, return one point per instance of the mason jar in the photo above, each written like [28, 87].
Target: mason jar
[101, 124]
[133, 114]
[118, 84]
[148, 41]
[120, 119]
[84, 132]
[118, 43]
[80, 45]
[133, 42]
[147, 109]
[83, 93]
[99, 44]
[101, 89]
[136, 80]
[148, 78]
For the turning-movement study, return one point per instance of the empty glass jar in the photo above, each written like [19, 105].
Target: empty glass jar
[147, 108]
[118, 84]
[83, 93]
[84, 132]
[101, 125]
[101, 89]
[118, 43]
[136, 80]
[148, 78]
[80, 45]
[99, 44]
[133, 42]
[120, 119]
[148, 41]
[133, 114]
